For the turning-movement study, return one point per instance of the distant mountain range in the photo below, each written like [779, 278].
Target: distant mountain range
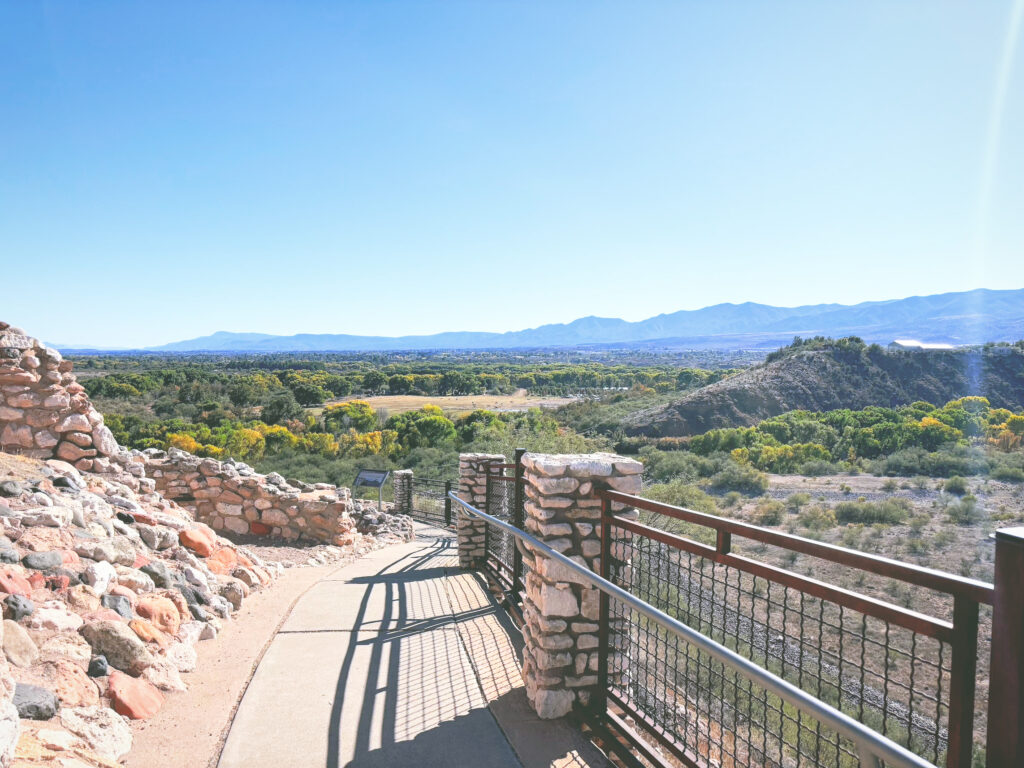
[968, 317]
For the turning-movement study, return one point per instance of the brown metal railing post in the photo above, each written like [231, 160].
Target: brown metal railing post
[600, 701]
[518, 522]
[1005, 745]
[963, 674]
[447, 504]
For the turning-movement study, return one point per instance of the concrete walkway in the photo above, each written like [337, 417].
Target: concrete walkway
[397, 659]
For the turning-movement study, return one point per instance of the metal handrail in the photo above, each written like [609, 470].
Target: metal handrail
[873, 749]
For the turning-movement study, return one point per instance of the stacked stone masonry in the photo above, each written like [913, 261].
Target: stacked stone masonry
[560, 612]
[44, 412]
[231, 496]
[402, 483]
[472, 532]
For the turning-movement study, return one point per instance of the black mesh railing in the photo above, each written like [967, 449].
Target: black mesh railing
[499, 544]
[430, 503]
[904, 674]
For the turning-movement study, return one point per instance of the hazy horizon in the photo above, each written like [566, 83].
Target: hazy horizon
[256, 331]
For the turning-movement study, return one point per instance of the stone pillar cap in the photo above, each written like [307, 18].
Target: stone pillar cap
[581, 464]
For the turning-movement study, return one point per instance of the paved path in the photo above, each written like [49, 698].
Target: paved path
[397, 659]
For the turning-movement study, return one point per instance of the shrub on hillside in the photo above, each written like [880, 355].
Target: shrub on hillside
[663, 466]
[681, 494]
[949, 461]
[1008, 474]
[816, 468]
[955, 485]
[965, 511]
[817, 518]
[769, 512]
[797, 500]
[887, 512]
[740, 477]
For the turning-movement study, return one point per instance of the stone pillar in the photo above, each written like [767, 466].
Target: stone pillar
[471, 531]
[402, 479]
[561, 613]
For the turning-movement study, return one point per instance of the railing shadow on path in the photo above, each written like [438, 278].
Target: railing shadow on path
[429, 676]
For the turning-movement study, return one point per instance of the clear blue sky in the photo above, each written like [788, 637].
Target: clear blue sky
[172, 169]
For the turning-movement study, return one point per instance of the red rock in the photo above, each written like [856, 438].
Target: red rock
[133, 697]
[37, 580]
[179, 602]
[148, 633]
[58, 582]
[73, 686]
[162, 612]
[222, 561]
[140, 560]
[198, 541]
[144, 518]
[260, 529]
[68, 557]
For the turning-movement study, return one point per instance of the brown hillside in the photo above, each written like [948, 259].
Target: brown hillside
[852, 376]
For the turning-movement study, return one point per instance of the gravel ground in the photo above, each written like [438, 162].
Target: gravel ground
[306, 554]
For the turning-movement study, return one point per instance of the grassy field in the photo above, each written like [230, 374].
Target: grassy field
[455, 404]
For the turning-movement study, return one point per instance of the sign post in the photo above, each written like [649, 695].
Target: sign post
[373, 478]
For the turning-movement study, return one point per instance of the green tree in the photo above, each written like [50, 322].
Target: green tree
[374, 381]
[282, 407]
[355, 414]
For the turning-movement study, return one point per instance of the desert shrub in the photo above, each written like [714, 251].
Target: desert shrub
[1008, 467]
[890, 485]
[663, 466]
[731, 499]
[965, 511]
[740, 477]
[955, 485]
[797, 500]
[681, 494]
[945, 462]
[817, 518]
[816, 468]
[1008, 474]
[887, 512]
[769, 512]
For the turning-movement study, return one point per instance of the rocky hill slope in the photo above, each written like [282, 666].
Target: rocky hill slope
[107, 584]
[839, 376]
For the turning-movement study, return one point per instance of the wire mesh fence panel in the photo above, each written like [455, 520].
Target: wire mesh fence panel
[429, 503]
[500, 544]
[888, 668]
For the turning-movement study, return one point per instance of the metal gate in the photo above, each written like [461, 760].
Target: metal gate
[429, 502]
[505, 500]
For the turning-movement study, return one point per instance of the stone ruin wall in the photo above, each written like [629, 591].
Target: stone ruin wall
[45, 413]
[231, 496]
